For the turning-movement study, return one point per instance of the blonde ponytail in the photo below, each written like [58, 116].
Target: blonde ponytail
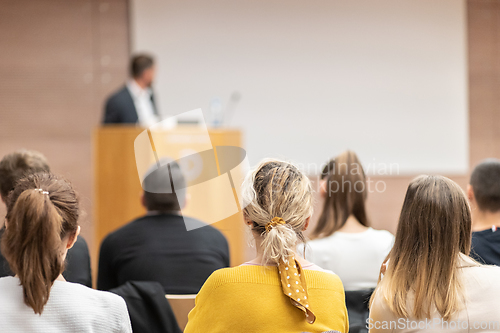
[279, 243]
[37, 221]
[277, 189]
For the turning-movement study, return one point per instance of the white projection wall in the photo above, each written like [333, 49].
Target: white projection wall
[385, 78]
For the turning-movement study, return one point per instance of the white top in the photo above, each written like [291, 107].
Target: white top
[355, 257]
[480, 313]
[71, 308]
[143, 104]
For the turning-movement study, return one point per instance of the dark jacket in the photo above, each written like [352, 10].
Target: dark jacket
[120, 108]
[159, 248]
[77, 268]
[485, 247]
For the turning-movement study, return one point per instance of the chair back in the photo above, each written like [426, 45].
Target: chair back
[181, 305]
[357, 309]
[148, 309]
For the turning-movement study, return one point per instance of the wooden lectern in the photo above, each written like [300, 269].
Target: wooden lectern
[120, 163]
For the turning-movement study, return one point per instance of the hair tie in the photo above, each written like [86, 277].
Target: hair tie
[274, 222]
[41, 191]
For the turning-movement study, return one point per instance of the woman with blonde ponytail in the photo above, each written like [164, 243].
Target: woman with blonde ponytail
[277, 291]
[41, 225]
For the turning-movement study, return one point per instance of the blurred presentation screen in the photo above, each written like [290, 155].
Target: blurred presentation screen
[385, 78]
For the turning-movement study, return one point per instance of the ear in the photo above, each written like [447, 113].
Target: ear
[143, 200]
[322, 187]
[247, 220]
[72, 240]
[307, 224]
[186, 200]
[470, 193]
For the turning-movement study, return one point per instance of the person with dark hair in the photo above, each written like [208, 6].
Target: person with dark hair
[41, 226]
[134, 103]
[177, 251]
[343, 240]
[484, 195]
[15, 166]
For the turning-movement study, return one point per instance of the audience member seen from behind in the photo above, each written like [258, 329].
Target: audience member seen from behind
[429, 276]
[277, 291]
[158, 246]
[484, 195]
[12, 168]
[41, 225]
[343, 240]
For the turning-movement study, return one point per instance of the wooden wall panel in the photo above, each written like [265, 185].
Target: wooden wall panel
[58, 61]
[484, 78]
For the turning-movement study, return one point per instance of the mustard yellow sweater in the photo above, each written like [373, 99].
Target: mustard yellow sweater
[250, 299]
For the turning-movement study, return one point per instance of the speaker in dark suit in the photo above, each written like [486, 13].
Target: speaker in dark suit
[122, 106]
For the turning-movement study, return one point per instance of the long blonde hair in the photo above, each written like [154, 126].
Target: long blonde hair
[434, 228]
[348, 197]
[277, 189]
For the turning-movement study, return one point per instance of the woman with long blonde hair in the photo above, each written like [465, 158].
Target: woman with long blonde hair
[277, 291]
[429, 283]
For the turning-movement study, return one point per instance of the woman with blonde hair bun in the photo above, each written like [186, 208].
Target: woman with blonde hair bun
[277, 291]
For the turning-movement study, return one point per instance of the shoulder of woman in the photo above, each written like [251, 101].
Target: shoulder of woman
[220, 277]
[117, 310]
[379, 310]
[323, 279]
[382, 233]
[479, 272]
[103, 298]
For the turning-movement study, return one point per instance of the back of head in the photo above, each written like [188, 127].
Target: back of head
[42, 210]
[346, 193]
[485, 182]
[18, 164]
[164, 187]
[139, 64]
[434, 228]
[277, 189]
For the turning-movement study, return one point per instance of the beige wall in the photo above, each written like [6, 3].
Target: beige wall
[61, 58]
